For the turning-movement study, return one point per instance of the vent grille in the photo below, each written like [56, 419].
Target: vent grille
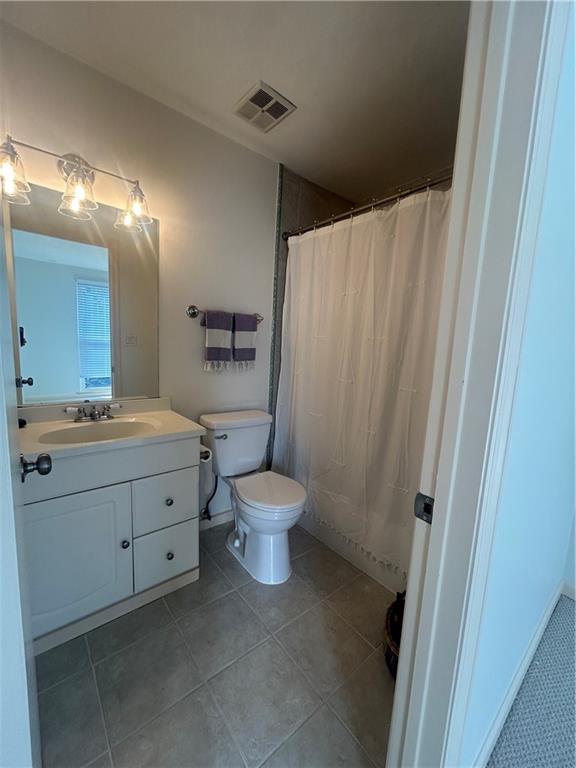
[263, 107]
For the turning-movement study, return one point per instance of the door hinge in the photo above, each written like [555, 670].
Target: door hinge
[424, 507]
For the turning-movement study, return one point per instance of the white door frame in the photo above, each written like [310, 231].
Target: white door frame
[19, 731]
[512, 71]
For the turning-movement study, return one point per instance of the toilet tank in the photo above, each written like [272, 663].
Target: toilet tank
[237, 440]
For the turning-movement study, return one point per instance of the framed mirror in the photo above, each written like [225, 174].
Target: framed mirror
[84, 304]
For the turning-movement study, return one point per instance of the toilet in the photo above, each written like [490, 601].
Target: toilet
[265, 504]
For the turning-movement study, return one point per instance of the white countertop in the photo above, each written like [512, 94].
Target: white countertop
[165, 425]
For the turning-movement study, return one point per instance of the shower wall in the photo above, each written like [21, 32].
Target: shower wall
[300, 203]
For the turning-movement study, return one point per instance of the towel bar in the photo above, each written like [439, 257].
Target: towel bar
[193, 312]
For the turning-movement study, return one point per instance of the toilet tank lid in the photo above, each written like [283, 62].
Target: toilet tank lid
[234, 419]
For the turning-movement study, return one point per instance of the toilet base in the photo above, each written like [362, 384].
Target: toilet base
[265, 556]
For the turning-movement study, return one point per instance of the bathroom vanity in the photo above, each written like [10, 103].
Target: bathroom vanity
[115, 522]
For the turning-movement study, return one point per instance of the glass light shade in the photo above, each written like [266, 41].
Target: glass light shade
[138, 205]
[13, 180]
[127, 221]
[74, 210]
[16, 198]
[79, 188]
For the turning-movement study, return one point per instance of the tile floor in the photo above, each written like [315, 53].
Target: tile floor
[228, 672]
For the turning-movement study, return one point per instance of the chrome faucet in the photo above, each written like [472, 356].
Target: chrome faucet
[95, 413]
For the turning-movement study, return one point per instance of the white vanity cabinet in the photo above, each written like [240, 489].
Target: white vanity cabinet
[114, 524]
[78, 553]
[86, 551]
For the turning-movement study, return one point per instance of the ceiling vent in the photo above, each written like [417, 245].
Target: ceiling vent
[263, 107]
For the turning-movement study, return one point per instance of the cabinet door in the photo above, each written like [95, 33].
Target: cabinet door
[78, 552]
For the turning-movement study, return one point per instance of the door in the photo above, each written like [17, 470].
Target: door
[511, 76]
[78, 551]
[20, 742]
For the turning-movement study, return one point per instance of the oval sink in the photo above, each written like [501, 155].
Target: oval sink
[96, 432]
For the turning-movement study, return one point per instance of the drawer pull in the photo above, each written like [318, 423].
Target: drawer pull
[169, 501]
[170, 556]
[125, 544]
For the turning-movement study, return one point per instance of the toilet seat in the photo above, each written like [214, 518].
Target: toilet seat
[269, 492]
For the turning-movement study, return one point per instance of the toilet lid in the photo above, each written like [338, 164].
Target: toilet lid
[268, 490]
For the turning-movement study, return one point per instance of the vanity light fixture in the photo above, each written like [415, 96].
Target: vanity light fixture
[128, 221]
[15, 188]
[78, 199]
[138, 205]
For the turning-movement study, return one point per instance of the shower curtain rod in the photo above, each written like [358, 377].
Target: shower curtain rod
[428, 182]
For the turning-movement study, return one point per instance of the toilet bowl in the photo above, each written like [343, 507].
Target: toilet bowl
[266, 504]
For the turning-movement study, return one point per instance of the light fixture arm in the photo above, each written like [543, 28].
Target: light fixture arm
[85, 165]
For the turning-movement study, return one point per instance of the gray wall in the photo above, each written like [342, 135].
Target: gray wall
[300, 203]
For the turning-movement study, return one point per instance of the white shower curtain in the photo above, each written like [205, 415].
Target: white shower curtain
[359, 331]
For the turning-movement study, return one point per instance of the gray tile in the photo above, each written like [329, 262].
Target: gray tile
[326, 648]
[133, 626]
[213, 539]
[192, 733]
[104, 761]
[322, 742]
[143, 680]
[364, 603]
[264, 698]
[221, 632]
[301, 541]
[71, 726]
[324, 570]
[211, 585]
[232, 569]
[60, 662]
[278, 604]
[364, 703]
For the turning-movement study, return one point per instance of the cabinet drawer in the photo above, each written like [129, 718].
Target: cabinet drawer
[164, 500]
[161, 555]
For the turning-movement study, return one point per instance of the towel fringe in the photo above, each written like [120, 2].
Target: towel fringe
[225, 365]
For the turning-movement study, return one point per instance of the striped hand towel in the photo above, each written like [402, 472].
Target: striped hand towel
[218, 354]
[245, 327]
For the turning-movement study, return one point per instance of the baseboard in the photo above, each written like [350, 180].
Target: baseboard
[498, 722]
[569, 590]
[221, 517]
[392, 581]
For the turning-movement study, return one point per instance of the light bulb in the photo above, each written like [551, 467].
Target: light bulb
[137, 208]
[8, 177]
[75, 204]
[79, 192]
[13, 181]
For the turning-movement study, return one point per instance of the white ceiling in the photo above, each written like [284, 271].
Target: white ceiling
[377, 84]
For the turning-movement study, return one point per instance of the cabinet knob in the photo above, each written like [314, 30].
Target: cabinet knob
[169, 501]
[125, 544]
[170, 556]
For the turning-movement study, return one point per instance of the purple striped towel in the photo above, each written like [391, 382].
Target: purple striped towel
[218, 354]
[244, 350]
